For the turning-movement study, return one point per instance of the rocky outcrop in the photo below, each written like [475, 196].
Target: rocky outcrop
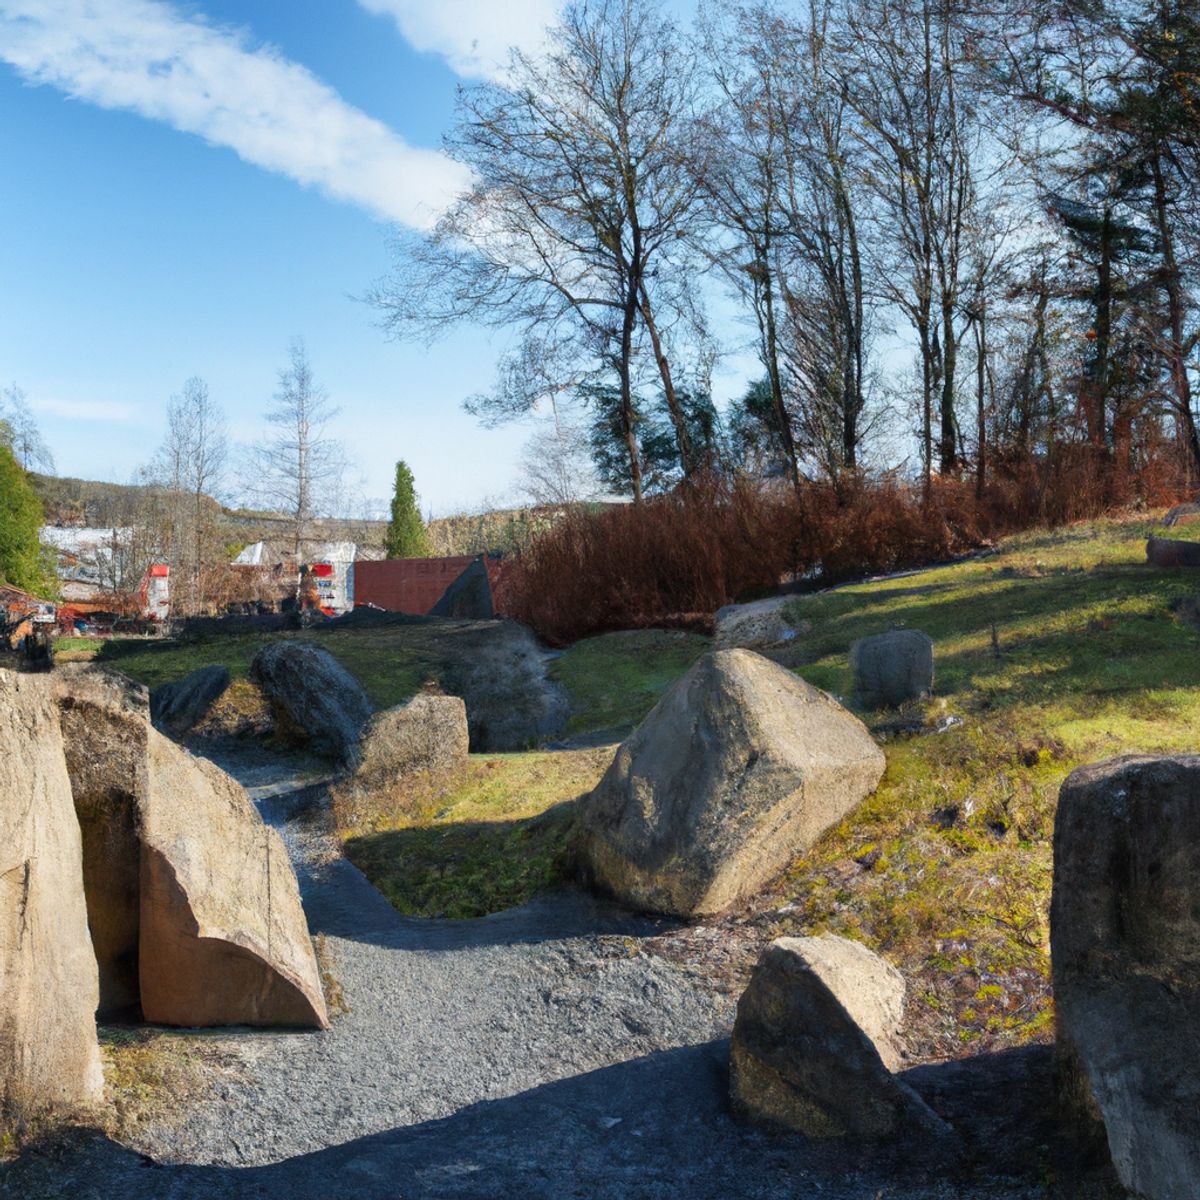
[428, 736]
[49, 1056]
[736, 771]
[469, 597]
[177, 707]
[313, 694]
[760, 625]
[892, 668]
[1125, 954]
[1172, 552]
[815, 1043]
[193, 899]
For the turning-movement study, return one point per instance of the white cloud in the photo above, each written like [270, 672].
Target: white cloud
[83, 410]
[473, 36]
[145, 56]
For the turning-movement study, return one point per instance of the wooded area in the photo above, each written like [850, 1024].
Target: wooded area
[960, 240]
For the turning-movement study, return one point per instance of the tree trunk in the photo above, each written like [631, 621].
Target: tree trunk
[683, 438]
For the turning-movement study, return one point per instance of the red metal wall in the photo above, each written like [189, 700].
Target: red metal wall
[413, 585]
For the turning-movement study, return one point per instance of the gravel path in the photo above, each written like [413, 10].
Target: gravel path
[539, 1052]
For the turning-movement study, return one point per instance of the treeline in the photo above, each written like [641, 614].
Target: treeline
[960, 240]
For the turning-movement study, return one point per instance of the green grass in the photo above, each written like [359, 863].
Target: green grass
[390, 662]
[615, 679]
[490, 841]
[1092, 662]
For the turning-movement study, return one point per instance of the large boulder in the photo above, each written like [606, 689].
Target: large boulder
[192, 899]
[428, 737]
[892, 668]
[49, 1056]
[816, 1041]
[177, 707]
[1125, 953]
[736, 771]
[499, 670]
[1172, 552]
[314, 694]
[469, 597]
[759, 625]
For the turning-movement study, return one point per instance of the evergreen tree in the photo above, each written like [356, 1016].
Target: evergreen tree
[406, 537]
[21, 520]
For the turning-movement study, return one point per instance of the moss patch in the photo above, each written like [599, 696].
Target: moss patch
[490, 841]
[615, 679]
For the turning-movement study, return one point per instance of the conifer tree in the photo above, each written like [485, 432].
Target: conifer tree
[406, 537]
[21, 520]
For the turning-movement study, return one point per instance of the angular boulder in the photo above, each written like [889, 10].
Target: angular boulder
[760, 625]
[815, 1043]
[469, 597]
[736, 771]
[192, 899]
[179, 706]
[1125, 955]
[314, 694]
[892, 668]
[49, 1056]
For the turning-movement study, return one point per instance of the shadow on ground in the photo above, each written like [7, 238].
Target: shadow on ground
[655, 1127]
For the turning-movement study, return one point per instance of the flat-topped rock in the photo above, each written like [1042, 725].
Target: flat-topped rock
[892, 668]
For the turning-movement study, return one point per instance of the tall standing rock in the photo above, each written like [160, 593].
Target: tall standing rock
[1125, 954]
[48, 986]
[315, 694]
[736, 771]
[892, 668]
[469, 597]
[193, 898]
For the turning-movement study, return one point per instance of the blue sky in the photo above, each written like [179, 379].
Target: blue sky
[189, 185]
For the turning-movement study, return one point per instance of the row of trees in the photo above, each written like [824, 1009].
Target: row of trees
[967, 233]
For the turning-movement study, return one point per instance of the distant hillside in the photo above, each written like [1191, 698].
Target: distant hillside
[90, 502]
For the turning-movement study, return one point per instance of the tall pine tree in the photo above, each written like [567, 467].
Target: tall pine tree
[406, 537]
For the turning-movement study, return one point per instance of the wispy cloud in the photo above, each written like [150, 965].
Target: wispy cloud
[473, 36]
[83, 410]
[147, 57]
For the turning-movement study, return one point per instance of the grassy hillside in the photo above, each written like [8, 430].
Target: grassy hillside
[1058, 649]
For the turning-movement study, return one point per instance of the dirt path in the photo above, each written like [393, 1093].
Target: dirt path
[540, 1052]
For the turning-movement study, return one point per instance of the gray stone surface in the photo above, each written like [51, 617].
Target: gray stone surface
[178, 706]
[736, 771]
[1125, 949]
[313, 694]
[49, 1057]
[816, 1042]
[892, 668]
[759, 625]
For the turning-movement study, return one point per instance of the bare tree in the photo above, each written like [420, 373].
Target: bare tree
[556, 464]
[573, 226]
[299, 466]
[21, 432]
[188, 470]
